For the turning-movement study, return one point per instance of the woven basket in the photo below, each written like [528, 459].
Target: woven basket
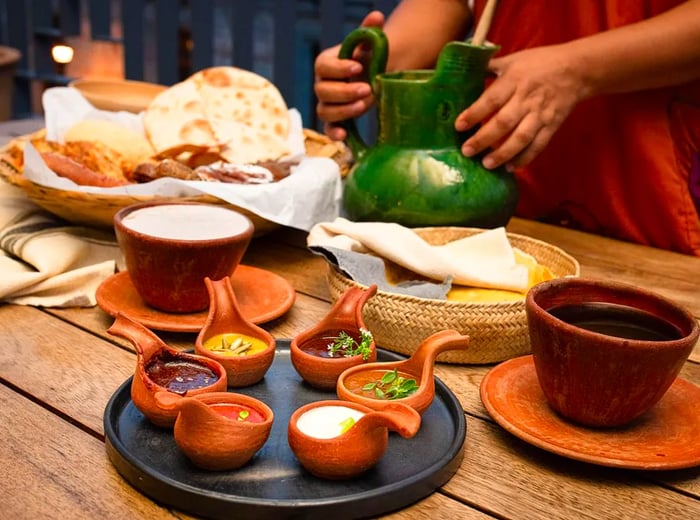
[97, 210]
[498, 331]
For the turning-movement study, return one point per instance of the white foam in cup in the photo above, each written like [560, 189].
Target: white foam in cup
[186, 222]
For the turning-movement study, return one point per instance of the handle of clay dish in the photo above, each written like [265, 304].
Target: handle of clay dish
[375, 38]
[397, 417]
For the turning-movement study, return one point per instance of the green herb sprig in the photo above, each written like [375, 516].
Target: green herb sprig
[392, 386]
[345, 345]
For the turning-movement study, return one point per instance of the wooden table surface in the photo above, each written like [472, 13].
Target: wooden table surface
[59, 368]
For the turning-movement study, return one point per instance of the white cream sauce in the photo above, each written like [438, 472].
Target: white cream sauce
[186, 222]
[326, 422]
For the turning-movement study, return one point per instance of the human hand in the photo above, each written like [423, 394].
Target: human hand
[533, 93]
[342, 93]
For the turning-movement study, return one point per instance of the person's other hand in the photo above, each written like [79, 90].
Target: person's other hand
[341, 91]
[534, 91]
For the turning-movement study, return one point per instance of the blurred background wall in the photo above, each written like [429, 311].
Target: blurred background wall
[164, 41]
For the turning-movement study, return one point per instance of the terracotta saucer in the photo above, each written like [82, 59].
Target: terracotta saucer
[261, 295]
[666, 437]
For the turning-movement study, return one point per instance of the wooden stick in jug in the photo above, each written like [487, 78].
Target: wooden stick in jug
[482, 27]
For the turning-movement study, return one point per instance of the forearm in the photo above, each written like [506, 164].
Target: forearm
[418, 29]
[661, 51]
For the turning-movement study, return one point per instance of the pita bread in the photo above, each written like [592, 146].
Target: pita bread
[235, 94]
[175, 122]
[245, 144]
[228, 111]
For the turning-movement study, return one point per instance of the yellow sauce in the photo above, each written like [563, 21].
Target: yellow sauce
[234, 344]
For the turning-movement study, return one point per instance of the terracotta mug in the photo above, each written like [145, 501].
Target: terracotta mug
[170, 247]
[605, 352]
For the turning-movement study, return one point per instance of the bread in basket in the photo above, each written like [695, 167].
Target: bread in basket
[498, 330]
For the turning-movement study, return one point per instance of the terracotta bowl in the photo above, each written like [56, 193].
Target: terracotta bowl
[169, 247]
[219, 440]
[157, 363]
[224, 326]
[342, 455]
[606, 352]
[309, 350]
[418, 368]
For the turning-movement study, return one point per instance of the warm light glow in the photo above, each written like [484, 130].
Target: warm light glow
[62, 53]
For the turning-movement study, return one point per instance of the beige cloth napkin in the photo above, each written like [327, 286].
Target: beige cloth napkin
[483, 260]
[46, 262]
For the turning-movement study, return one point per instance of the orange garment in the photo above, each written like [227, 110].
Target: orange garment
[621, 165]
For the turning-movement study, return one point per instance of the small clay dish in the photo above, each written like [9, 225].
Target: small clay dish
[411, 382]
[245, 350]
[219, 431]
[169, 247]
[338, 439]
[309, 351]
[161, 368]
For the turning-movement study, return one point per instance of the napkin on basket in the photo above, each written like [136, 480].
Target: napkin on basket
[484, 260]
[46, 262]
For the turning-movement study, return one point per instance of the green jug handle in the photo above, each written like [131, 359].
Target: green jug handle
[379, 45]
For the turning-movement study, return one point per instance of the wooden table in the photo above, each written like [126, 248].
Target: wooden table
[58, 369]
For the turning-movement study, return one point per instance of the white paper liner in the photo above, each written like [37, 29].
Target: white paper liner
[310, 194]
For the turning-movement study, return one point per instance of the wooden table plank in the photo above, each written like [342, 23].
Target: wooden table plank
[64, 469]
[72, 371]
[511, 479]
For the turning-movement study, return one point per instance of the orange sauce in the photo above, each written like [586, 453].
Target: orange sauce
[355, 382]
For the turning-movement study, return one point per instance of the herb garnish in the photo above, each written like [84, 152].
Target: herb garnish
[346, 424]
[392, 386]
[346, 345]
[243, 415]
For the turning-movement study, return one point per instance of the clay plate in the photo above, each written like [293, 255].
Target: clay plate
[262, 296]
[666, 437]
[273, 485]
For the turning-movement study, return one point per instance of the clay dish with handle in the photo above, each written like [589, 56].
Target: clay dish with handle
[245, 350]
[221, 430]
[419, 368]
[161, 368]
[309, 350]
[348, 447]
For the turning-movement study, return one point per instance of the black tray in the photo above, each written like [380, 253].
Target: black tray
[273, 484]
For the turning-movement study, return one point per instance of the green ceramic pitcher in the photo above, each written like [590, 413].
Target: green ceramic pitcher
[415, 174]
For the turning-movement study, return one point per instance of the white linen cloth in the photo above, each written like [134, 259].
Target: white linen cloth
[483, 260]
[46, 262]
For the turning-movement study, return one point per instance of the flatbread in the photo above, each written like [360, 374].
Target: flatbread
[246, 144]
[175, 122]
[230, 93]
[225, 111]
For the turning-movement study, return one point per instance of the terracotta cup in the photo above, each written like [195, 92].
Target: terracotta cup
[214, 441]
[225, 317]
[306, 348]
[605, 352]
[356, 450]
[170, 247]
[151, 352]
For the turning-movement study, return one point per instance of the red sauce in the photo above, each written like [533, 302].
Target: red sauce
[319, 346]
[179, 374]
[356, 381]
[238, 412]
